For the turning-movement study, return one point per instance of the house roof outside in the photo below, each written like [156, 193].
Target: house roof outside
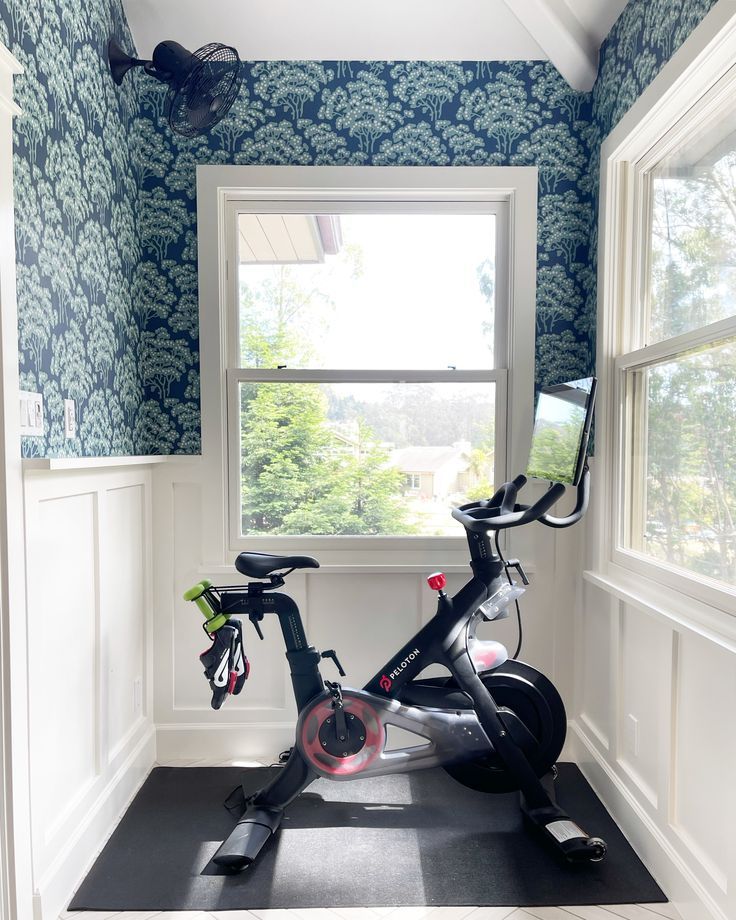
[427, 459]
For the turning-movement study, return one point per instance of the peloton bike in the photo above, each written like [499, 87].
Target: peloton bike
[495, 724]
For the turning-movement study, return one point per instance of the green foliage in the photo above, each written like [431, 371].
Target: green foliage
[299, 477]
[689, 512]
[554, 451]
[279, 319]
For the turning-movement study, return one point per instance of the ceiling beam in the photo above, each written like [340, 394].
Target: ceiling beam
[561, 36]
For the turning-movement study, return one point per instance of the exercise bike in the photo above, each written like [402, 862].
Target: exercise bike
[495, 724]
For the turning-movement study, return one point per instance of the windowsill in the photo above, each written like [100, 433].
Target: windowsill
[686, 613]
[88, 463]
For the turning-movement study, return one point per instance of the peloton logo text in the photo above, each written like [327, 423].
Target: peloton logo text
[385, 682]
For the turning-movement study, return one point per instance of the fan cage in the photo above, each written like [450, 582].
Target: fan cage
[215, 78]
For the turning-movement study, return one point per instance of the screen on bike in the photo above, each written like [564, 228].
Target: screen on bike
[561, 429]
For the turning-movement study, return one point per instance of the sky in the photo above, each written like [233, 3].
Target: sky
[417, 302]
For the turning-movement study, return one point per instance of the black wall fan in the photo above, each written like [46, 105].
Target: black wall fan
[203, 84]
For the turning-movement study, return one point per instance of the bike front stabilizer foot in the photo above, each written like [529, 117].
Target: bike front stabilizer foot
[248, 837]
[570, 841]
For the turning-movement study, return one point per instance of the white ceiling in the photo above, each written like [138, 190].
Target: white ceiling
[568, 32]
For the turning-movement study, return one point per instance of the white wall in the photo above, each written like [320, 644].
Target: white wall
[653, 720]
[365, 615]
[90, 628]
[654, 730]
[365, 612]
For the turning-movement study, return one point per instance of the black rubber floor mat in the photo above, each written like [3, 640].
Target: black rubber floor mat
[403, 840]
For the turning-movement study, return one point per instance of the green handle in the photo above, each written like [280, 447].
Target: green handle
[198, 590]
[196, 594]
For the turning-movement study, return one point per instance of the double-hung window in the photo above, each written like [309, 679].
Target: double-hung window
[367, 355]
[676, 368]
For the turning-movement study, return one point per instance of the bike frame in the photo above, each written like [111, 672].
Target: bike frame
[441, 641]
[453, 733]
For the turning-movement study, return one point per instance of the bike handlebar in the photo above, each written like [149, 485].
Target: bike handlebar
[502, 510]
[581, 505]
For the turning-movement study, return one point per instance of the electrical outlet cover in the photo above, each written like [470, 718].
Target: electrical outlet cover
[31, 414]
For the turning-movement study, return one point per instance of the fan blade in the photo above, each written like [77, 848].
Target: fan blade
[201, 115]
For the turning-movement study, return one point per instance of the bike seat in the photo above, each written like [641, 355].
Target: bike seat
[258, 565]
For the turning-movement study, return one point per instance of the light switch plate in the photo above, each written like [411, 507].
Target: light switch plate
[70, 418]
[31, 414]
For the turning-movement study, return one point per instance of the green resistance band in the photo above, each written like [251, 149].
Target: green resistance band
[214, 619]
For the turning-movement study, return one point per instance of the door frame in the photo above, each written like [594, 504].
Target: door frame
[16, 871]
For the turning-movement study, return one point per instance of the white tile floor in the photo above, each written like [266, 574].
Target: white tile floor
[610, 912]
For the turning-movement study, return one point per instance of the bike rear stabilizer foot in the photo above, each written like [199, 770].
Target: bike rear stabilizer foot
[249, 836]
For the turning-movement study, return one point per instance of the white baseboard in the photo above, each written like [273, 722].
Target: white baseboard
[61, 879]
[673, 875]
[176, 742]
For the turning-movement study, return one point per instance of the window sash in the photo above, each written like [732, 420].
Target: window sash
[236, 376]
[365, 202]
[429, 205]
[701, 73]
[635, 353]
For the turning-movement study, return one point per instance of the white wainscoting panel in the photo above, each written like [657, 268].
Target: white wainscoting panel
[365, 616]
[645, 658]
[63, 629]
[665, 769]
[594, 664]
[124, 614]
[90, 645]
[703, 806]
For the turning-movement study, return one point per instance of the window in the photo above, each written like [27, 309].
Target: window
[676, 373]
[368, 388]
[474, 392]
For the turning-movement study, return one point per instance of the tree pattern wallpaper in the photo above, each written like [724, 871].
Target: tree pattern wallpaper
[77, 236]
[106, 210]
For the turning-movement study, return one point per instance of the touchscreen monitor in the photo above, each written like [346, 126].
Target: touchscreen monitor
[561, 429]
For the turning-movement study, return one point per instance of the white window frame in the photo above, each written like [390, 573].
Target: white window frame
[686, 94]
[222, 191]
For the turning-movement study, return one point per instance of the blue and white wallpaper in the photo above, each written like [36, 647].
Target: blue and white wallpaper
[77, 237]
[379, 114]
[105, 210]
[642, 40]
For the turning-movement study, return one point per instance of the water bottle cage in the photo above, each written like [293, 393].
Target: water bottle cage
[496, 607]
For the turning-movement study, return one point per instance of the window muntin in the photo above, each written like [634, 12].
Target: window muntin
[421, 326]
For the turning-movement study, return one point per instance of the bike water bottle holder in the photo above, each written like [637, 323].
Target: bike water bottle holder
[497, 606]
